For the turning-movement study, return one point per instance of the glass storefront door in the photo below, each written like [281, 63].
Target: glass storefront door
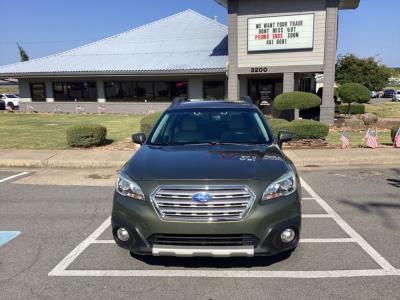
[263, 93]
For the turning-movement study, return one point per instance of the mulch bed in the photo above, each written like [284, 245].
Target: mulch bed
[309, 144]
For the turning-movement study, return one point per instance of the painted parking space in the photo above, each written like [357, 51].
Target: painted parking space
[6, 177]
[7, 236]
[337, 251]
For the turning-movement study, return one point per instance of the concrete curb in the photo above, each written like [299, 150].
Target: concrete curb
[89, 159]
[74, 159]
[343, 158]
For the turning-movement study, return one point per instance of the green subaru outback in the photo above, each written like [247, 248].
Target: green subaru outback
[209, 180]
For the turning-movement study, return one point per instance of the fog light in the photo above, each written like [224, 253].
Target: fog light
[288, 235]
[123, 234]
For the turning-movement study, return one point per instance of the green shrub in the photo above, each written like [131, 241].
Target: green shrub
[148, 122]
[355, 109]
[296, 100]
[278, 125]
[86, 135]
[393, 132]
[354, 92]
[336, 92]
[308, 129]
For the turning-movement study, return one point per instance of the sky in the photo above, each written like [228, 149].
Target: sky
[44, 27]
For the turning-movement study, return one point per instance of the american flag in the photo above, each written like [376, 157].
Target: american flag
[102, 108]
[371, 139]
[79, 108]
[57, 109]
[396, 142]
[151, 110]
[345, 140]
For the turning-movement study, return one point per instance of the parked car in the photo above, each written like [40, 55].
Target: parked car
[210, 180]
[389, 94]
[397, 96]
[375, 94]
[10, 100]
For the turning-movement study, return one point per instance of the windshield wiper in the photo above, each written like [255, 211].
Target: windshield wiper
[159, 144]
[234, 143]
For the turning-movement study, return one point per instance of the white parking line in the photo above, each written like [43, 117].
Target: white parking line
[334, 240]
[307, 198]
[13, 176]
[228, 274]
[387, 268]
[349, 230]
[63, 265]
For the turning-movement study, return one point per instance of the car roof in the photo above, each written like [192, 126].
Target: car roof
[210, 104]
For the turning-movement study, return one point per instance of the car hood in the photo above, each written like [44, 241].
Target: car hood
[207, 163]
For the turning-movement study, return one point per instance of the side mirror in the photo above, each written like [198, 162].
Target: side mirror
[284, 137]
[138, 138]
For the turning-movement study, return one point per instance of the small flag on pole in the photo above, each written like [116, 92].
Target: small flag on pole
[80, 108]
[102, 109]
[151, 110]
[371, 139]
[29, 108]
[345, 142]
[396, 142]
[57, 109]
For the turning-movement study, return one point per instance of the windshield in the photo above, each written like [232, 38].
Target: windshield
[11, 96]
[210, 126]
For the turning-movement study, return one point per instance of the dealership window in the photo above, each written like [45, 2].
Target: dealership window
[144, 91]
[305, 85]
[38, 92]
[79, 90]
[162, 91]
[120, 90]
[214, 90]
[130, 91]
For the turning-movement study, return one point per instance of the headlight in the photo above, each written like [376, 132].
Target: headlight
[128, 188]
[283, 186]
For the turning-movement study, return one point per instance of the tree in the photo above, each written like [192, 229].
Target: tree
[22, 54]
[354, 92]
[366, 71]
[296, 100]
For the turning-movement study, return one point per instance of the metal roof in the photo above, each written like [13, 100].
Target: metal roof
[183, 43]
[343, 4]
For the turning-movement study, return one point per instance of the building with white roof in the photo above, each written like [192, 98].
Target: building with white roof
[268, 47]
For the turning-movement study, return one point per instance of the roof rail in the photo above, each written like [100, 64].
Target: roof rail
[179, 100]
[247, 99]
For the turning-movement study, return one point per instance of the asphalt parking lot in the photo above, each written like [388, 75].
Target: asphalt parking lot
[64, 249]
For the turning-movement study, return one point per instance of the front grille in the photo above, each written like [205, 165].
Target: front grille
[203, 240]
[228, 203]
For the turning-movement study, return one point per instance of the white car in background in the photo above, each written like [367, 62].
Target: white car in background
[396, 96]
[10, 100]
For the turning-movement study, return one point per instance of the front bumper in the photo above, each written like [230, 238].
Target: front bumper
[264, 222]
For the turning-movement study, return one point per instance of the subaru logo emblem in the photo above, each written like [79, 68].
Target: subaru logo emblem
[202, 197]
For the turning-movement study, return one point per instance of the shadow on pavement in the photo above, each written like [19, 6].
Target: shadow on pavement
[393, 181]
[376, 208]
